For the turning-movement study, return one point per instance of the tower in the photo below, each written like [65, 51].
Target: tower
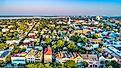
[69, 20]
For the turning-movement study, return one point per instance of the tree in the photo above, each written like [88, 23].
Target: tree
[10, 34]
[40, 65]
[47, 65]
[15, 50]
[48, 40]
[99, 50]
[54, 46]
[111, 66]
[70, 64]
[102, 62]
[107, 63]
[85, 64]
[71, 46]
[75, 38]
[23, 50]
[0, 34]
[3, 46]
[84, 40]
[114, 64]
[8, 59]
[31, 66]
[95, 36]
[1, 63]
[100, 44]
[60, 43]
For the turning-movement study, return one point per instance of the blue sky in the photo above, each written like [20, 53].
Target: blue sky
[60, 7]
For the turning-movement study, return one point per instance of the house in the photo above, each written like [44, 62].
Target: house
[47, 55]
[119, 60]
[19, 58]
[64, 56]
[117, 44]
[34, 56]
[79, 21]
[85, 31]
[98, 17]
[31, 35]
[102, 59]
[4, 30]
[3, 55]
[95, 46]
[114, 50]
[12, 42]
[77, 57]
[109, 59]
[27, 42]
[96, 22]
[10, 26]
[95, 41]
[91, 59]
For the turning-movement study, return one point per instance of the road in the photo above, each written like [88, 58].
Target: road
[27, 33]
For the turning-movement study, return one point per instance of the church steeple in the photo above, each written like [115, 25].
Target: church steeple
[69, 20]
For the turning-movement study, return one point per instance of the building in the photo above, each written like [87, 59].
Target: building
[3, 55]
[116, 51]
[119, 60]
[31, 35]
[79, 21]
[95, 41]
[104, 59]
[92, 60]
[47, 55]
[81, 31]
[98, 17]
[19, 58]
[5, 30]
[12, 42]
[34, 56]
[64, 56]
[77, 57]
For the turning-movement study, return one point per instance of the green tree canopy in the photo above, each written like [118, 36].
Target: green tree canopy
[85, 64]
[48, 40]
[70, 64]
[60, 43]
[115, 64]
[71, 46]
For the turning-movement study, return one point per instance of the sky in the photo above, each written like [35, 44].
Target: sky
[60, 7]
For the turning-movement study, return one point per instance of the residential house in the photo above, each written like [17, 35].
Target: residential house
[95, 41]
[119, 60]
[3, 55]
[85, 31]
[64, 56]
[19, 58]
[91, 59]
[31, 35]
[109, 59]
[47, 55]
[27, 42]
[34, 56]
[12, 42]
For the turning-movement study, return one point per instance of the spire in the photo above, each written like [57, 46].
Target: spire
[69, 20]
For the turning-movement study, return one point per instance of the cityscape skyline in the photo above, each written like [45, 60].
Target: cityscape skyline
[60, 7]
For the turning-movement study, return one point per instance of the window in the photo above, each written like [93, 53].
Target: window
[90, 65]
[90, 62]
[95, 65]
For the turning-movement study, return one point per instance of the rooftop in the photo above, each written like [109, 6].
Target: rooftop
[48, 51]
[3, 53]
[20, 54]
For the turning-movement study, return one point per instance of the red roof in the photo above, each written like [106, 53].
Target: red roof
[48, 51]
